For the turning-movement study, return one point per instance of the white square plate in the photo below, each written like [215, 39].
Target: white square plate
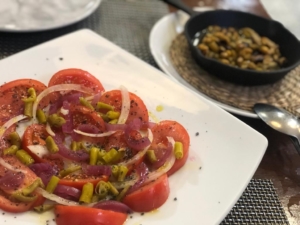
[227, 150]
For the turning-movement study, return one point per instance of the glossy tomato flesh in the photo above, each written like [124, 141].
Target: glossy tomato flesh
[137, 107]
[11, 95]
[178, 132]
[80, 215]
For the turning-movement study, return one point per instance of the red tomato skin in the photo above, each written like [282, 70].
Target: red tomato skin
[11, 95]
[149, 197]
[79, 215]
[30, 177]
[4, 142]
[76, 76]
[137, 107]
[84, 115]
[14, 207]
[179, 133]
[78, 183]
[36, 134]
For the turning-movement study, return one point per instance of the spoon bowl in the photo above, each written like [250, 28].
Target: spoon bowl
[279, 119]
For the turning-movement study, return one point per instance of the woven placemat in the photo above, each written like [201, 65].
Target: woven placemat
[284, 93]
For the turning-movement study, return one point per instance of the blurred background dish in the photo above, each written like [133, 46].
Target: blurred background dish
[161, 37]
[40, 15]
[232, 67]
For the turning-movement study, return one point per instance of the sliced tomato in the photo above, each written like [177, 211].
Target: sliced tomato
[29, 177]
[36, 135]
[150, 196]
[78, 180]
[11, 95]
[137, 107]
[83, 115]
[18, 207]
[116, 140]
[178, 132]
[75, 76]
[79, 215]
[4, 142]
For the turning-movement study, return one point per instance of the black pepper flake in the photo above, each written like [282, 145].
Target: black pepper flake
[142, 214]
[175, 199]
[200, 168]
[61, 59]
[131, 217]
[3, 213]
[197, 133]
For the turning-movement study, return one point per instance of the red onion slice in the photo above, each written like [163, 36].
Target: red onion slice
[140, 154]
[49, 130]
[78, 156]
[55, 88]
[39, 150]
[96, 170]
[67, 192]
[10, 122]
[96, 98]
[113, 206]
[163, 159]
[83, 129]
[130, 182]
[68, 126]
[56, 198]
[132, 142]
[142, 171]
[10, 167]
[44, 170]
[125, 105]
[70, 98]
[115, 127]
[11, 181]
[161, 170]
[105, 134]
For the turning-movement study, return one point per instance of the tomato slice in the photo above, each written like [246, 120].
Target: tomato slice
[36, 135]
[78, 180]
[4, 142]
[78, 215]
[29, 177]
[150, 196]
[18, 207]
[178, 132]
[137, 107]
[83, 115]
[76, 76]
[11, 95]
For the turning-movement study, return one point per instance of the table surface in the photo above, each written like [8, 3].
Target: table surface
[281, 161]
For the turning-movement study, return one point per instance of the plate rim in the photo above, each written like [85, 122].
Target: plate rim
[163, 67]
[263, 140]
[49, 28]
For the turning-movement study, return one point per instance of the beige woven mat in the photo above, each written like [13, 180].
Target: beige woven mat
[285, 93]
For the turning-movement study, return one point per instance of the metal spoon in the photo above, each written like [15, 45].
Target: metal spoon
[280, 120]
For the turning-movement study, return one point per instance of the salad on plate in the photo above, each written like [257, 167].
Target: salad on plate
[91, 155]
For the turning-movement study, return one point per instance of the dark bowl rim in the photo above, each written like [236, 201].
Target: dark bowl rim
[281, 70]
